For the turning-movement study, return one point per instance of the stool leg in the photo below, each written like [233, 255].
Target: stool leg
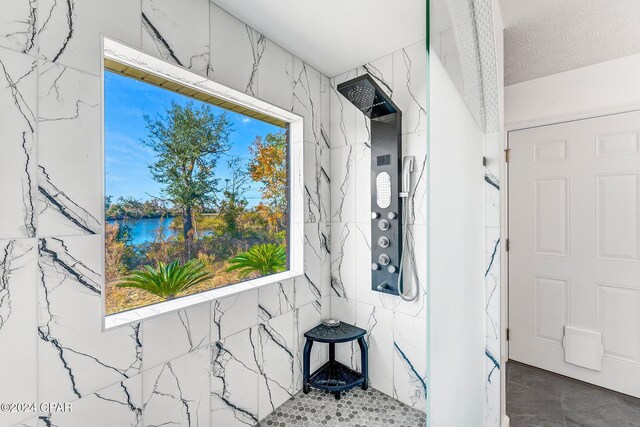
[364, 359]
[305, 366]
[332, 351]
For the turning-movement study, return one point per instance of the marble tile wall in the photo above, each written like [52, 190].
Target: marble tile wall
[227, 363]
[396, 330]
[493, 155]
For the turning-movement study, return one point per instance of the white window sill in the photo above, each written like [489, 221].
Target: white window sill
[150, 311]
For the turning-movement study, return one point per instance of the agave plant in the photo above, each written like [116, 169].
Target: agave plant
[167, 280]
[264, 259]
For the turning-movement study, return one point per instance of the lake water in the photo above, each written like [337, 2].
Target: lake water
[144, 230]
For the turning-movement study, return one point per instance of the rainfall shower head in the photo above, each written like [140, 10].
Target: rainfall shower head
[366, 95]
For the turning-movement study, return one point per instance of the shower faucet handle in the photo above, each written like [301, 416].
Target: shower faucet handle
[375, 266]
[391, 269]
[392, 215]
[382, 286]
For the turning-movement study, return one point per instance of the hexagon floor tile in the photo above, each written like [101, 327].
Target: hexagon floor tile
[356, 408]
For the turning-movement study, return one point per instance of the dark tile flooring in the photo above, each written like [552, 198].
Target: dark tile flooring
[356, 408]
[540, 398]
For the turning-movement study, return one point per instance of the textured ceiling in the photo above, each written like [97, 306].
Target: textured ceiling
[334, 36]
[544, 37]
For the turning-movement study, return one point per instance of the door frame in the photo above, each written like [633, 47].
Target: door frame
[504, 220]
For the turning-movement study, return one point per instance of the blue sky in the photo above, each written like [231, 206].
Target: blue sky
[127, 159]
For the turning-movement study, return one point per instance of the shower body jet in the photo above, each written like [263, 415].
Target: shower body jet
[390, 180]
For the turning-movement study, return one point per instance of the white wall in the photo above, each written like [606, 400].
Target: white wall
[456, 248]
[599, 88]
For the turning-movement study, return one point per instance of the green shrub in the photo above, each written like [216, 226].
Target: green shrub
[264, 259]
[167, 280]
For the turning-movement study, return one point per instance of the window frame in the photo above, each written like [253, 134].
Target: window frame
[132, 57]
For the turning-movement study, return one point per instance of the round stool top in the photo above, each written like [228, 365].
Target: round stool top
[342, 333]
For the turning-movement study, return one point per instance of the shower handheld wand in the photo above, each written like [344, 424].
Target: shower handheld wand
[407, 169]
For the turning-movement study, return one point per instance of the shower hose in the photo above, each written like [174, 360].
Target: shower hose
[412, 261]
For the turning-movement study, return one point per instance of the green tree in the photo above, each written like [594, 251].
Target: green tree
[188, 141]
[234, 202]
[268, 166]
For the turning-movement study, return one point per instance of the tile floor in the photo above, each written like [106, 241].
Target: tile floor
[356, 408]
[539, 398]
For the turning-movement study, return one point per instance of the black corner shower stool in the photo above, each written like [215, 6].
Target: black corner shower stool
[333, 376]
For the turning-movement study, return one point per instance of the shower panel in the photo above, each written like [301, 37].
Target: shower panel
[386, 166]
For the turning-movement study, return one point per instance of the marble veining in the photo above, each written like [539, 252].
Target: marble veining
[10, 262]
[18, 25]
[417, 380]
[234, 376]
[78, 361]
[17, 100]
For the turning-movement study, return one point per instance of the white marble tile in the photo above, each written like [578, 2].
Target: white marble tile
[74, 357]
[416, 251]
[18, 325]
[306, 318]
[362, 265]
[493, 156]
[410, 360]
[234, 380]
[378, 322]
[325, 111]
[18, 97]
[415, 144]
[363, 188]
[381, 70]
[341, 117]
[177, 392]
[18, 25]
[308, 288]
[116, 405]
[163, 33]
[306, 99]
[345, 311]
[187, 330]
[410, 86]
[343, 278]
[69, 31]
[236, 52]
[275, 361]
[492, 318]
[343, 184]
[275, 300]
[317, 182]
[31, 422]
[69, 178]
[275, 76]
[233, 314]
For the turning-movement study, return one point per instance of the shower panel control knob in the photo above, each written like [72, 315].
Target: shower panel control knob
[382, 286]
[391, 269]
[383, 225]
[384, 259]
[384, 242]
[375, 266]
[392, 215]
[375, 215]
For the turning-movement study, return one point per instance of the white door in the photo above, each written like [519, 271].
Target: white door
[574, 255]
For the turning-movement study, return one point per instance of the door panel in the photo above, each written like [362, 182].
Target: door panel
[574, 237]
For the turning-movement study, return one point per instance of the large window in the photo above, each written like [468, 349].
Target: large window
[196, 194]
